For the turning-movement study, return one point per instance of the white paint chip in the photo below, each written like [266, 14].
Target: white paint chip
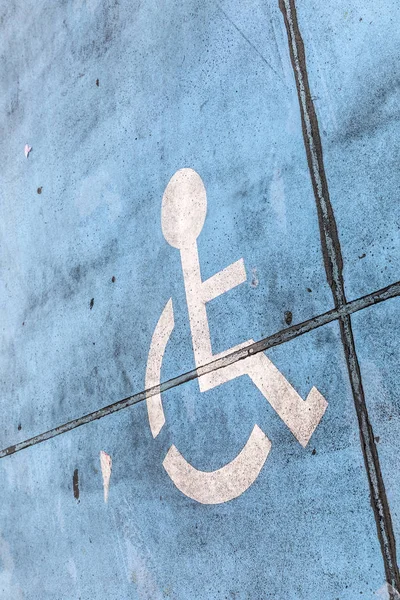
[106, 466]
[27, 149]
[387, 592]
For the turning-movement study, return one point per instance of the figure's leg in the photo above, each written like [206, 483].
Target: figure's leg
[301, 416]
[224, 374]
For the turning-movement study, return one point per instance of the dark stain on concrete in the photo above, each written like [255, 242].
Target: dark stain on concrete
[75, 484]
[288, 317]
[76, 273]
[106, 29]
[14, 102]
[375, 108]
[64, 281]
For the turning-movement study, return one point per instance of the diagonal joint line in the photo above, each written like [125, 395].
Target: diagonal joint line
[266, 343]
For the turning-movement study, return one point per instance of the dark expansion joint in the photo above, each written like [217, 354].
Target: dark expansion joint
[334, 271]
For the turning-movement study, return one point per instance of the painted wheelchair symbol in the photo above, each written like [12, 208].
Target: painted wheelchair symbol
[184, 207]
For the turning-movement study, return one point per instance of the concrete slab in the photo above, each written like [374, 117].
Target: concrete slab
[352, 68]
[114, 98]
[377, 334]
[303, 530]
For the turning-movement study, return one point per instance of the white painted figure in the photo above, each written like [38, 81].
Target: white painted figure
[184, 207]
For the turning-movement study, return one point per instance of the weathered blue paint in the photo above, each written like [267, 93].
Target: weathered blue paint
[303, 530]
[352, 67]
[114, 97]
[377, 334]
[104, 156]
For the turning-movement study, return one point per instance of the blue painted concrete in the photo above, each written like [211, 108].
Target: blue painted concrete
[177, 87]
[377, 338]
[352, 68]
[208, 86]
[303, 530]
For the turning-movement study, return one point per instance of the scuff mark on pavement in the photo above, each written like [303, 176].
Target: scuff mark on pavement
[254, 278]
[75, 484]
[7, 572]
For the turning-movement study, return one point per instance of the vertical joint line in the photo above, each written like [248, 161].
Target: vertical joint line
[333, 262]
[329, 236]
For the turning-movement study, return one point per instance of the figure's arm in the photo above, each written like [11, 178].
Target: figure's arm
[224, 281]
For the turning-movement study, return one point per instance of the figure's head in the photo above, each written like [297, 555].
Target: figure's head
[184, 208]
